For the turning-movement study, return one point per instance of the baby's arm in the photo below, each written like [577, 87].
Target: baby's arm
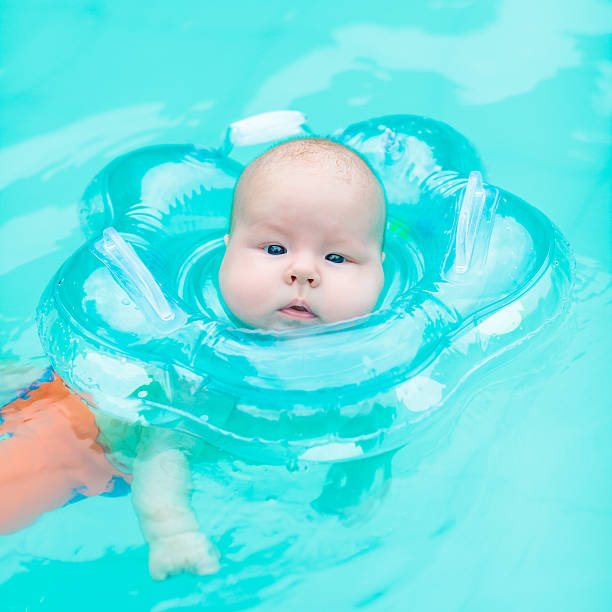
[161, 489]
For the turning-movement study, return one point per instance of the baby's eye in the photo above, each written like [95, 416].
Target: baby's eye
[335, 258]
[275, 249]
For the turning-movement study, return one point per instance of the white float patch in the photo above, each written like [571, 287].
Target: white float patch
[419, 393]
[503, 321]
[111, 381]
[333, 451]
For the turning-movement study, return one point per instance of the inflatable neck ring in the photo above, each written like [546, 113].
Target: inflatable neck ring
[133, 320]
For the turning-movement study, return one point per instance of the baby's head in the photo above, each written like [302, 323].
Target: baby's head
[305, 240]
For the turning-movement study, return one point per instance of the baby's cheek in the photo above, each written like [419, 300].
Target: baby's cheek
[231, 284]
[353, 295]
[243, 287]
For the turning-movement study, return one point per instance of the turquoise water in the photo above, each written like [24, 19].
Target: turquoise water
[504, 503]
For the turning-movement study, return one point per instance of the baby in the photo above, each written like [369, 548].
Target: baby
[305, 240]
[304, 248]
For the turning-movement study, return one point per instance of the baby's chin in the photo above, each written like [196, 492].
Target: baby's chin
[292, 324]
[277, 323]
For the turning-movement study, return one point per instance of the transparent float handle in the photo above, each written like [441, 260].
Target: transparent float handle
[137, 281]
[475, 224]
[266, 127]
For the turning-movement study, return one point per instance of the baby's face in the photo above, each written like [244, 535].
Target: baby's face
[304, 249]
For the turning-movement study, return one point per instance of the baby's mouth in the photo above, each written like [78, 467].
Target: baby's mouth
[298, 310]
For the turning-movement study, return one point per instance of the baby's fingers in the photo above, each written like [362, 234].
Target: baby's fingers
[189, 552]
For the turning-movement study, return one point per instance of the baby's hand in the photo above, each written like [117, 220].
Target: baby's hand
[185, 552]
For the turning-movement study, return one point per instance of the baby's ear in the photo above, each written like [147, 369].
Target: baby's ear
[226, 239]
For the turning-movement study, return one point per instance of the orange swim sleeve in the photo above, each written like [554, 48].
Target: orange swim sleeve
[48, 454]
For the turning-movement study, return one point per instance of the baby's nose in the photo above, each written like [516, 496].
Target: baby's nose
[302, 275]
